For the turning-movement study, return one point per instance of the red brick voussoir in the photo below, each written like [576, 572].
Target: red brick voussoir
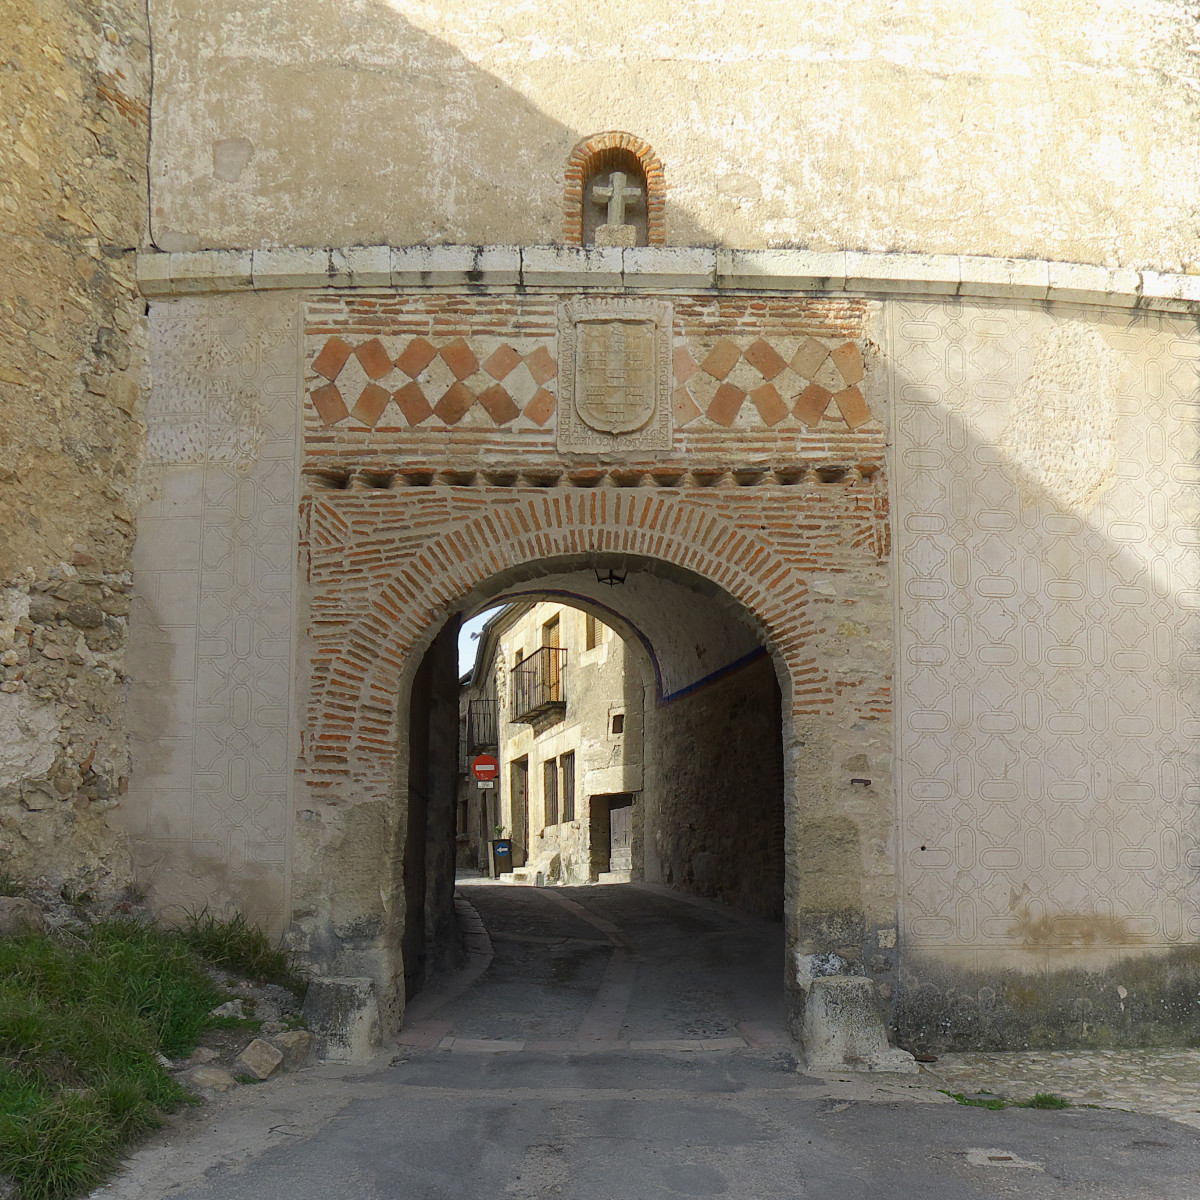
[387, 569]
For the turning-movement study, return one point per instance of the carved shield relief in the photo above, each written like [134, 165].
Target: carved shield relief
[616, 355]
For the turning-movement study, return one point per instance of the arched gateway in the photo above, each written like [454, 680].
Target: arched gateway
[731, 448]
[453, 444]
[341, 465]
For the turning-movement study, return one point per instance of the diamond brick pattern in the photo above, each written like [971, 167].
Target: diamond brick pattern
[812, 403]
[374, 359]
[541, 408]
[542, 366]
[371, 403]
[412, 380]
[455, 402]
[721, 359]
[332, 357]
[684, 408]
[458, 357]
[411, 402]
[329, 403]
[499, 405]
[417, 355]
[726, 404]
[852, 406]
[767, 361]
[791, 382]
[769, 403]
[501, 362]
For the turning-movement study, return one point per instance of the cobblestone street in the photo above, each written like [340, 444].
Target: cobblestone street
[1163, 1083]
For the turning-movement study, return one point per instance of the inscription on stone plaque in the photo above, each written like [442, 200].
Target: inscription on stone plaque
[615, 374]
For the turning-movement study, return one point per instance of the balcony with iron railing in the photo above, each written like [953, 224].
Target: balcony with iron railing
[539, 684]
[482, 724]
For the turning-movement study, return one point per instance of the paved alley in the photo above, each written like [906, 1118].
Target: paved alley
[626, 1043]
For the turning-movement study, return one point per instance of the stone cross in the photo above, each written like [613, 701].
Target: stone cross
[616, 195]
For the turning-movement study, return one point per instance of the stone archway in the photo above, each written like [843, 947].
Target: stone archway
[387, 568]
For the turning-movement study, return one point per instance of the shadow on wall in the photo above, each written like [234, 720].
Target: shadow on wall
[271, 66]
[1047, 655]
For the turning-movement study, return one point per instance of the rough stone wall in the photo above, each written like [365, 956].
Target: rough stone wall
[938, 127]
[74, 81]
[713, 809]
[1048, 599]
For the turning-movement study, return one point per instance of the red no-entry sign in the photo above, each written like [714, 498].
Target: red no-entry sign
[485, 767]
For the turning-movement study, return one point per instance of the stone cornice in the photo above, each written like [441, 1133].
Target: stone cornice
[663, 269]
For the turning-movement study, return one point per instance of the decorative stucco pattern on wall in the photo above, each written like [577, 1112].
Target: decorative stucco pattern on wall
[213, 614]
[1048, 598]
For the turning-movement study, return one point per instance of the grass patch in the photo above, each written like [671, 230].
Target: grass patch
[82, 1021]
[994, 1103]
[233, 944]
[83, 1018]
[1044, 1100]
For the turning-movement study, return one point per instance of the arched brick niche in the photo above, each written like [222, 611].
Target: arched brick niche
[601, 154]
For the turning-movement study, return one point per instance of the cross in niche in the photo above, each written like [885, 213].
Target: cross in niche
[616, 195]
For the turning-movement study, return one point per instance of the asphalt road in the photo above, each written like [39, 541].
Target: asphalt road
[624, 1044]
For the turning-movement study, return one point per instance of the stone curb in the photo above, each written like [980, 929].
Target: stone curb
[663, 268]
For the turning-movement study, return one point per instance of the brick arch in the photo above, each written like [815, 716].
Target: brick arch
[601, 152]
[362, 659]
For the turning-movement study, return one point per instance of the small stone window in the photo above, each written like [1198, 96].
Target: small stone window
[614, 193]
[618, 723]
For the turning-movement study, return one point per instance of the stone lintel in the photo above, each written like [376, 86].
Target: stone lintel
[663, 268]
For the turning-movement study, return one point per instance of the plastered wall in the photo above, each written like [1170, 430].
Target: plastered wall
[1048, 628]
[214, 608]
[936, 127]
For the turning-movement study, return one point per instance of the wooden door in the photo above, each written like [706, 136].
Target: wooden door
[519, 806]
[552, 665]
[620, 837]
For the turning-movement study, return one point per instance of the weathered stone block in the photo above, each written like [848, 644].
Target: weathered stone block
[782, 270]
[455, 265]
[368, 266]
[259, 1059]
[913, 274]
[670, 267]
[295, 1046]
[20, 916]
[1083, 283]
[208, 1079]
[343, 1017]
[843, 1031]
[290, 268]
[1016, 278]
[563, 266]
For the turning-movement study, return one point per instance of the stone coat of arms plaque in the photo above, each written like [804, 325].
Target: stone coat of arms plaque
[614, 375]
